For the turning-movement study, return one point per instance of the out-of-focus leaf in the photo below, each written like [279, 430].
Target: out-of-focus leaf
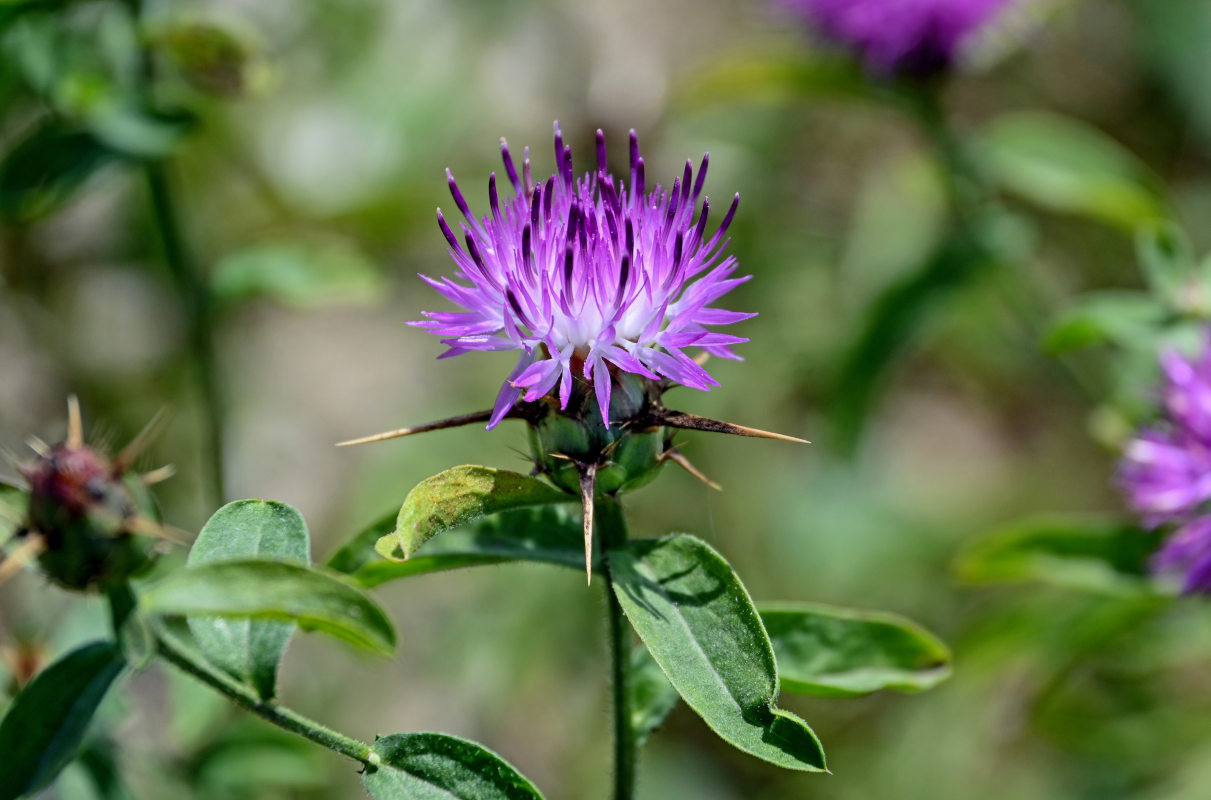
[433, 766]
[14, 503]
[1097, 555]
[273, 590]
[1108, 317]
[773, 76]
[249, 649]
[697, 621]
[547, 535]
[213, 56]
[460, 495]
[11, 10]
[132, 130]
[1067, 166]
[888, 329]
[298, 274]
[650, 696]
[45, 724]
[1174, 36]
[46, 168]
[844, 652]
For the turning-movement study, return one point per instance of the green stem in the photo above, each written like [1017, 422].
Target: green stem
[196, 302]
[179, 655]
[613, 530]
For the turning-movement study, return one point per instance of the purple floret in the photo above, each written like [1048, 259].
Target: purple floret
[587, 275]
[915, 37]
[1165, 472]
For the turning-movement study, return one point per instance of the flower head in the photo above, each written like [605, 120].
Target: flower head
[588, 277]
[915, 37]
[1165, 472]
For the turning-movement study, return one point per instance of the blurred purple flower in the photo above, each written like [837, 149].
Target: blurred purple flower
[587, 275]
[911, 37]
[1166, 469]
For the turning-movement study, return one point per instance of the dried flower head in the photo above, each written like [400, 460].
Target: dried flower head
[86, 510]
[1165, 472]
[907, 37]
[586, 276]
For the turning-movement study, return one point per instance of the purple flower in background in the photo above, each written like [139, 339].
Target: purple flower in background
[1166, 470]
[914, 37]
[587, 275]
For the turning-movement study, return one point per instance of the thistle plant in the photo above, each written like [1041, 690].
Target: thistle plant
[606, 291]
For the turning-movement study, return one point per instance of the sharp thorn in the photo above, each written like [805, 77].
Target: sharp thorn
[145, 526]
[38, 446]
[134, 449]
[27, 552]
[451, 422]
[693, 422]
[678, 458]
[158, 475]
[588, 483]
[75, 423]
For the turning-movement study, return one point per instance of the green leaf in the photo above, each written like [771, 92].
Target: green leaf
[650, 696]
[1104, 556]
[46, 723]
[842, 652]
[14, 505]
[459, 495]
[46, 168]
[274, 590]
[548, 535]
[1067, 166]
[1165, 258]
[772, 75]
[297, 274]
[700, 626]
[433, 766]
[1122, 318]
[249, 649]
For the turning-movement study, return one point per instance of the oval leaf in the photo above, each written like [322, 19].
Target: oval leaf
[841, 652]
[1065, 165]
[433, 766]
[459, 495]
[44, 171]
[547, 535]
[274, 590]
[1099, 555]
[1121, 318]
[48, 719]
[700, 626]
[249, 649]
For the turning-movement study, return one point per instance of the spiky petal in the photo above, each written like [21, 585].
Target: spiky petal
[584, 276]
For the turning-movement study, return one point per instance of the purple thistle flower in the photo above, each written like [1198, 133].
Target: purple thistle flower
[912, 37]
[587, 275]
[1166, 470]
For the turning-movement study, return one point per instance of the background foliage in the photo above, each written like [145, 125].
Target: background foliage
[307, 144]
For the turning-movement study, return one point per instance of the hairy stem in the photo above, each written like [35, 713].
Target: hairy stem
[180, 655]
[614, 534]
[194, 295]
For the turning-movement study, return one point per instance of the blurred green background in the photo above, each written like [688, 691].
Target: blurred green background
[306, 185]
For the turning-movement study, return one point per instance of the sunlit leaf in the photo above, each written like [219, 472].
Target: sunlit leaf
[274, 590]
[697, 621]
[1079, 552]
[46, 723]
[433, 766]
[844, 652]
[249, 649]
[459, 495]
[1064, 165]
[548, 535]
